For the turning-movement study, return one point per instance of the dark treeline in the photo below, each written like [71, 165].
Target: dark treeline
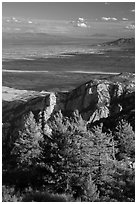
[68, 161]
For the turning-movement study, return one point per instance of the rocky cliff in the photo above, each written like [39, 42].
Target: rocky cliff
[95, 100]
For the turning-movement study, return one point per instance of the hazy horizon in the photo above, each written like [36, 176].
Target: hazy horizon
[83, 19]
[65, 35]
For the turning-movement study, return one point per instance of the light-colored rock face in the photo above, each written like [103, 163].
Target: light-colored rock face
[103, 94]
[82, 98]
[102, 112]
[50, 105]
[119, 90]
[11, 94]
[94, 100]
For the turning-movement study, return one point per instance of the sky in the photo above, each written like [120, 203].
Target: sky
[86, 18]
[69, 10]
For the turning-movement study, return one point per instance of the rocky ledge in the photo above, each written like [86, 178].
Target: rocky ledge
[95, 100]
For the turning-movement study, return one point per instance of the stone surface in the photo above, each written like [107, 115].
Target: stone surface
[95, 100]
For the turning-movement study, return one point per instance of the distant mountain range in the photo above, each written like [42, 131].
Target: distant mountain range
[23, 37]
[122, 42]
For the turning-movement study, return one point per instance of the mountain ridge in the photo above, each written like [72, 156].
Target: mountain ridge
[94, 100]
[121, 42]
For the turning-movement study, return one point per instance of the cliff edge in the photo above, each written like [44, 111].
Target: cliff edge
[95, 100]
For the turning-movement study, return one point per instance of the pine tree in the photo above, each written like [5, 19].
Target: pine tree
[68, 157]
[125, 137]
[123, 178]
[103, 160]
[27, 146]
[83, 184]
[55, 152]
[123, 184]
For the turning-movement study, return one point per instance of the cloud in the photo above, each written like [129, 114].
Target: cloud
[81, 19]
[83, 25]
[10, 19]
[80, 22]
[16, 20]
[105, 18]
[109, 19]
[125, 19]
[13, 19]
[107, 3]
[133, 10]
[114, 19]
[130, 27]
[29, 21]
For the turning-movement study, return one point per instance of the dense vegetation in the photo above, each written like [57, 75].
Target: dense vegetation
[70, 163]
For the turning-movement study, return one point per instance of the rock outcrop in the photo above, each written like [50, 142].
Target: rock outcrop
[95, 100]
